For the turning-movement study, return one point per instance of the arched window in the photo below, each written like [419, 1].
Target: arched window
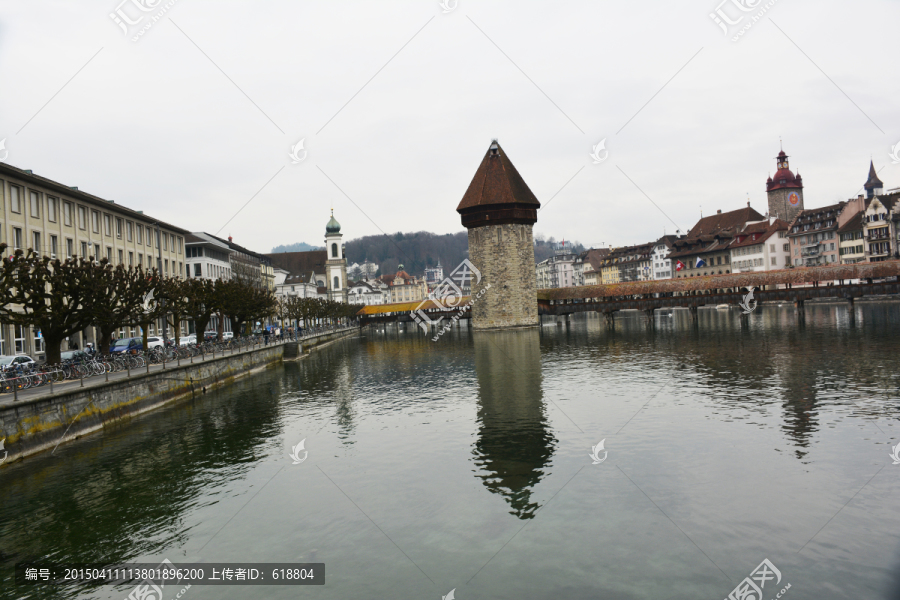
[337, 282]
[334, 253]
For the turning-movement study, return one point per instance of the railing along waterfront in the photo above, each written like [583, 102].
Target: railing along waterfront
[16, 379]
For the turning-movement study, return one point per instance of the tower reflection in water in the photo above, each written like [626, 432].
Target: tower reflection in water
[514, 443]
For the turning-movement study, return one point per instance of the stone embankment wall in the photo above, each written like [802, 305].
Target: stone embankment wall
[44, 422]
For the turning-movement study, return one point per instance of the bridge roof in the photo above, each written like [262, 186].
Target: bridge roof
[380, 309]
[889, 268]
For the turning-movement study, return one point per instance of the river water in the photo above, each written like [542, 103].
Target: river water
[465, 464]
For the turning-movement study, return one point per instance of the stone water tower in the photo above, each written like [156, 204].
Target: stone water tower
[499, 211]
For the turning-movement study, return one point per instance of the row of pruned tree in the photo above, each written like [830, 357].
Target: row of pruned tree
[62, 297]
[311, 310]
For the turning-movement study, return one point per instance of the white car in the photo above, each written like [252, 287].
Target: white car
[19, 360]
[227, 335]
[186, 340]
[154, 342]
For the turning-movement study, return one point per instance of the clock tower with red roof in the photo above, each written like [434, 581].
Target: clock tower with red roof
[785, 191]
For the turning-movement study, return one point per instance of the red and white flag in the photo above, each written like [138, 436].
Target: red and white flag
[679, 266]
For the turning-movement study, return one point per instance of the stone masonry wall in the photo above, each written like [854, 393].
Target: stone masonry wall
[505, 256]
[43, 422]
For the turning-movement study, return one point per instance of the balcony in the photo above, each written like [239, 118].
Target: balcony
[809, 251]
[878, 235]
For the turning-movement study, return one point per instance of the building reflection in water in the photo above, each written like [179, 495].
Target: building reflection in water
[514, 443]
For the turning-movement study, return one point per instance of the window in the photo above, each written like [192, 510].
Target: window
[149, 237]
[131, 259]
[14, 202]
[179, 244]
[787, 248]
[121, 257]
[82, 217]
[198, 270]
[53, 246]
[95, 221]
[69, 247]
[52, 203]
[832, 247]
[17, 238]
[19, 338]
[172, 238]
[167, 266]
[84, 250]
[96, 251]
[139, 230]
[107, 225]
[118, 229]
[67, 214]
[129, 229]
[109, 254]
[35, 205]
[165, 242]
[140, 261]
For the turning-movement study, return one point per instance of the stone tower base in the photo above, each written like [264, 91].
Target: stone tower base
[505, 256]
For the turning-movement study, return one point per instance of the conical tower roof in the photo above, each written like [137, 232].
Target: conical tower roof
[873, 182]
[497, 193]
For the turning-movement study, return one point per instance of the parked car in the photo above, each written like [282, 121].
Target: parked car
[211, 335]
[126, 345]
[17, 360]
[187, 340]
[73, 355]
[227, 335]
[154, 342]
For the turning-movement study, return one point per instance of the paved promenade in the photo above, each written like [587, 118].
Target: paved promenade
[10, 399]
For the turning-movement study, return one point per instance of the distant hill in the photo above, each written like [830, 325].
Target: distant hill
[420, 249]
[298, 247]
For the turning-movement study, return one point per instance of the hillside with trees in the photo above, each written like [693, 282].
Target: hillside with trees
[416, 251]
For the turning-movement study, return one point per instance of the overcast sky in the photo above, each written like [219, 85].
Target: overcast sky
[397, 102]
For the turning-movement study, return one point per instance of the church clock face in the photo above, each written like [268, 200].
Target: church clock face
[794, 199]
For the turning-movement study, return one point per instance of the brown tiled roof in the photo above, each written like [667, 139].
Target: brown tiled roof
[497, 182]
[812, 215]
[733, 219]
[300, 263]
[595, 257]
[854, 224]
[762, 230]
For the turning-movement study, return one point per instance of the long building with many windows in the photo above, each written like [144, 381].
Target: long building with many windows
[61, 221]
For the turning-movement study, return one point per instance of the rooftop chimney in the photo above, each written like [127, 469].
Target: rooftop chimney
[229, 238]
[719, 212]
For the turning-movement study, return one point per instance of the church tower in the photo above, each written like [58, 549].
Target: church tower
[499, 211]
[873, 186]
[335, 264]
[785, 191]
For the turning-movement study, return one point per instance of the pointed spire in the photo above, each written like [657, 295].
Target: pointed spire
[873, 181]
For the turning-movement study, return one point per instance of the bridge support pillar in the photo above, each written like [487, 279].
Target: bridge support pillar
[693, 311]
[610, 317]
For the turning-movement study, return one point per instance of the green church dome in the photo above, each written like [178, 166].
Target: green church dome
[333, 226]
